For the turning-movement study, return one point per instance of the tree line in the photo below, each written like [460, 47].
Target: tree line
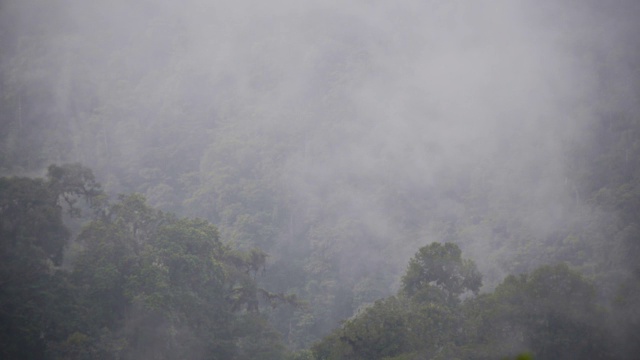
[142, 283]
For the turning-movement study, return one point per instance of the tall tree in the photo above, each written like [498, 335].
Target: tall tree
[438, 273]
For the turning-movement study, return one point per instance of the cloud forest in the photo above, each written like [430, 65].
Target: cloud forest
[319, 180]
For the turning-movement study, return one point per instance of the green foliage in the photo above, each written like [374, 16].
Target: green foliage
[72, 181]
[551, 312]
[422, 321]
[31, 218]
[437, 273]
[394, 328]
[34, 294]
[169, 281]
[379, 331]
[145, 284]
[524, 356]
[311, 184]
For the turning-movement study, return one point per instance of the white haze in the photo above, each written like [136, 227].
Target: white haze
[415, 96]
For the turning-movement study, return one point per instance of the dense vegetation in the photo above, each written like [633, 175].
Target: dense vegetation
[418, 180]
[550, 313]
[143, 285]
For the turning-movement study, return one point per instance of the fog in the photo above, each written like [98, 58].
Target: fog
[348, 133]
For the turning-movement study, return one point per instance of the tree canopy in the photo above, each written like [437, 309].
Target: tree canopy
[143, 284]
[437, 271]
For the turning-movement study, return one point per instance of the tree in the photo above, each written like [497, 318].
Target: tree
[164, 286]
[144, 284]
[551, 312]
[34, 293]
[379, 331]
[31, 219]
[422, 321]
[437, 273]
[72, 181]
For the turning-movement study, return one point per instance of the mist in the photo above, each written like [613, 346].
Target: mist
[337, 136]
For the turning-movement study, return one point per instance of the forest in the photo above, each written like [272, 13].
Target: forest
[319, 180]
